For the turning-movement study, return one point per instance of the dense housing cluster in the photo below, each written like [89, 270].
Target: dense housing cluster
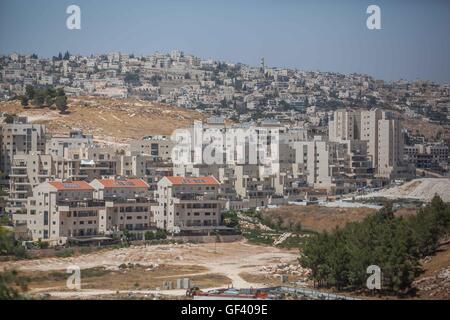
[335, 135]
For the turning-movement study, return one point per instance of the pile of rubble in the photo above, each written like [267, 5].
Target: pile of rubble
[286, 268]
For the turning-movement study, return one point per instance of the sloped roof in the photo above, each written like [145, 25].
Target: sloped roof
[126, 183]
[71, 185]
[193, 180]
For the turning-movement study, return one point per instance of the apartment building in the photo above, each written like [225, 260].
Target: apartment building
[155, 172]
[382, 132]
[314, 155]
[19, 137]
[159, 147]
[188, 204]
[390, 148]
[58, 146]
[369, 128]
[136, 215]
[127, 205]
[133, 165]
[60, 210]
[80, 163]
[252, 184]
[143, 166]
[338, 167]
[224, 173]
[433, 156]
[119, 188]
[89, 163]
[343, 125]
[27, 171]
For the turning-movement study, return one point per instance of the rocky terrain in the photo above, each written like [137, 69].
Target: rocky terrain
[420, 189]
[109, 120]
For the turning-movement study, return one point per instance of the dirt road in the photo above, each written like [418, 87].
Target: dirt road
[228, 259]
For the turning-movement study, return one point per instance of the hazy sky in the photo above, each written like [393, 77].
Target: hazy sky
[326, 35]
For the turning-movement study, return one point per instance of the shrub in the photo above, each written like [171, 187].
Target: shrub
[65, 253]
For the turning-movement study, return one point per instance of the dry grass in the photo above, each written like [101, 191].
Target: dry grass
[115, 120]
[315, 218]
[405, 212]
[211, 280]
[207, 264]
[433, 284]
[428, 130]
[135, 278]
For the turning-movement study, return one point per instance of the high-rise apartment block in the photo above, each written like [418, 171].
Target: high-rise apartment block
[382, 132]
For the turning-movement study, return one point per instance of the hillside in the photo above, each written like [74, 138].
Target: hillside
[427, 129]
[315, 218]
[434, 283]
[421, 189]
[112, 120]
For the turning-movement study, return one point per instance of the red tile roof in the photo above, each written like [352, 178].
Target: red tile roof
[71, 185]
[126, 183]
[193, 180]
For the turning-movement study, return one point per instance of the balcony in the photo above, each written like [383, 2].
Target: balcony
[178, 198]
[21, 183]
[18, 175]
[18, 167]
[43, 174]
[67, 205]
[133, 201]
[17, 199]
[22, 191]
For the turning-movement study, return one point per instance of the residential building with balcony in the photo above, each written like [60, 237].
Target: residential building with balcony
[159, 147]
[189, 204]
[120, 188]
[60, 210]
[19, 137]
[128, 205]
[27, 171]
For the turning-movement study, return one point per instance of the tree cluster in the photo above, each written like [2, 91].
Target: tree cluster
[10, 246]
[395, 244]
[132, 79]
[45, 97]
[158, 235]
